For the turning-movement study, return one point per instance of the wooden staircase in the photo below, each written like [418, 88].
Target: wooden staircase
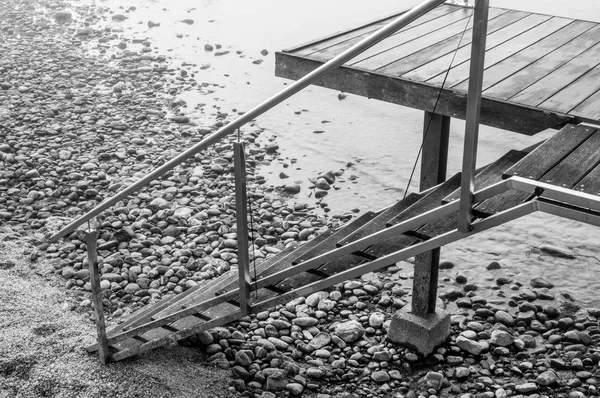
[570, 159]
[215, 302]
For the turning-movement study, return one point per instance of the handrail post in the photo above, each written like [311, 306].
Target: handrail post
[241, 213]
[467, 186]
[90, 240]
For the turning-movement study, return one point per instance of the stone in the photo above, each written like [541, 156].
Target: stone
[539, 283]
[501, 338]
[546, 378]
[493, 266]
[350, 331]
[295, 388]
[305, 321]
[380, 376]
[320, 340]
[470, 346]
[376, 319]
[526, 388]
[504, 318]
[313, 299]
[434, 380]
[418, 333]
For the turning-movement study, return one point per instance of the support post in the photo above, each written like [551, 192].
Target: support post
[467, 186]
[242, 227]
[434, 159]
[90, 240]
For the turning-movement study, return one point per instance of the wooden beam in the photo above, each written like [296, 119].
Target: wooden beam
[434, 158]
[90, 241]
[453, 103]
[242, 227]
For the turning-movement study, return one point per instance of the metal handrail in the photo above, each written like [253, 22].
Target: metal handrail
[263, 107]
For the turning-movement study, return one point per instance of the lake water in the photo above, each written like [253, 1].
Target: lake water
[381, 140]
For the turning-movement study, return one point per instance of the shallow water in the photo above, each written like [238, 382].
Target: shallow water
[380, 140]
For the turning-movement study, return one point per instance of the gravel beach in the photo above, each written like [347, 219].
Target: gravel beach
[86, 110]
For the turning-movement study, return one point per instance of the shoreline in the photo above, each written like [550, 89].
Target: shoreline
[66, 112]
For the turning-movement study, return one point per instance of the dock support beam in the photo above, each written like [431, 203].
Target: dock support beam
[434, 162]
[434, 159]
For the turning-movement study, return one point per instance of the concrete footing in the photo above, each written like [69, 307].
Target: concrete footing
[421, 334]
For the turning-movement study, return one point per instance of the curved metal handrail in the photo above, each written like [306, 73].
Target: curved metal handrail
[258, 110]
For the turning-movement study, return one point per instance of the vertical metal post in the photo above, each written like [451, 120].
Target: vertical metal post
[467, 185]
[242, 227]
[90, 241]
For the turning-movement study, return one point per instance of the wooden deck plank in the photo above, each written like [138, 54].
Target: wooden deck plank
[545, 65]
[491, 174]
[575, 93]
[529, 55]
[460, 72]
[504, 201]
[328, 52]
[379, 222]
[542, 159]
[589, 107]
[577, 164]
[428, 34]
[339, 37]
[590, 183]
[524, 119]
[447, 46]
[555, 81]
[440, 65]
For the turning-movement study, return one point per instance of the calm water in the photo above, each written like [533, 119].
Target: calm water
[380, 139]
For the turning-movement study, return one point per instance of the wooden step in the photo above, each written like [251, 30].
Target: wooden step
[332, 242]
[563, 160]
[550, 153]
[380, 222]
[428, 202]
[491, 174]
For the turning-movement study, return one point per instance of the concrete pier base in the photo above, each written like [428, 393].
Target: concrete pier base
[419, 333]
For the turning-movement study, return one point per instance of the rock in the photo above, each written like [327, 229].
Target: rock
[305, 321]
[434, 380]
[446, 265]
[539, 283]
[295, 388]
[188, 21]
[62, 16]
[526, 388]
[292, 188]
[471, 346]
[380, 376]
[376, 319]
[501, 338]
[556, 251]
[546, 378]
[314, 299]
[504, 318]
[244, 358]
[152, 24]
[118, 17]
[461, 372]
[320, 340]
[349, 331]
[493, 266]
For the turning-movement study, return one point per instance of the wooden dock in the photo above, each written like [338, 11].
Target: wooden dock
[541, 71]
